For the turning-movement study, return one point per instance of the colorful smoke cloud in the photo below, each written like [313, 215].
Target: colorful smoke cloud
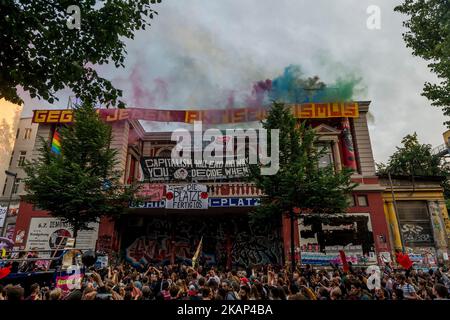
[293, 86]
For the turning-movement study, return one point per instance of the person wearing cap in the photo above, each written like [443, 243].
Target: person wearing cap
[244, 281]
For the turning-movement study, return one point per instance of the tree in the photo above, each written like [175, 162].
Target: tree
[81, 183]
[428, 34]
[415, 159]
[300, 184]
[40, 53]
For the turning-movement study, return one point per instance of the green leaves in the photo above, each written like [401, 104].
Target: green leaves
[300, 182]
[416, 159]
[428, 35]
[413, 159]
[71, 185]
[41, 54]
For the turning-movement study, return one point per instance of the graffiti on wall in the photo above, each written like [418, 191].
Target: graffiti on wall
[415, 233]
[225, 241]
[437, 223]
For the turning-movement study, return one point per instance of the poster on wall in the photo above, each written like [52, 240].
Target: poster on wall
[190, 196]
[9, 233]
[50, 233]
[2, 215]
[152, 192]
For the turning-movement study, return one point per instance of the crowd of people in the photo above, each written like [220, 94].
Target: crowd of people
[182, 282]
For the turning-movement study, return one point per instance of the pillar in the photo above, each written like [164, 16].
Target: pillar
[394, 226]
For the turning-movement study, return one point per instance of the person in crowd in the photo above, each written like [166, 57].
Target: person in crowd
[2, 293]
[409, 292]
[35, 292]
[440, 292]
[14, 292]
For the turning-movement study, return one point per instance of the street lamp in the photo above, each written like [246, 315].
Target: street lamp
[12, 174]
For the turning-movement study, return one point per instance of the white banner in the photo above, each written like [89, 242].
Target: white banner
[2, 215]
[51, 233]
[190, 196]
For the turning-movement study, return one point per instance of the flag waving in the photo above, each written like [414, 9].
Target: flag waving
[56, 143]
[197, 253]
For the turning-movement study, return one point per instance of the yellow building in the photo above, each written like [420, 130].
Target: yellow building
[417, 217]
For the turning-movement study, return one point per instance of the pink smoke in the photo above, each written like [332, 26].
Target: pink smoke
[259, 91]
[143, 95]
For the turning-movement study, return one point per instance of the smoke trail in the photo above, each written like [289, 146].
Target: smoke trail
[293, 86]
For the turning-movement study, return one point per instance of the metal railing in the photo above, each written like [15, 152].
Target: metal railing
[440, 150]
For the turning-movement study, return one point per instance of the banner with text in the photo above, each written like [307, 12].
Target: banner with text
[190, 196]
[52, 233]
[158, 169]
[209, 116]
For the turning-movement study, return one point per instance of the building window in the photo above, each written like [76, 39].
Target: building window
[16, 186]
[27, 134]
[22, 157]
[415, 224]
[362, 201]
[12, 156]
[326, 158]
[17, 133]
[351, 201]
[4, 187]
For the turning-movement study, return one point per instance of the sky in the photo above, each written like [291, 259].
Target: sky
[199, 53]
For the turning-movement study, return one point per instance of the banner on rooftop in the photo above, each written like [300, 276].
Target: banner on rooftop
[209, 116]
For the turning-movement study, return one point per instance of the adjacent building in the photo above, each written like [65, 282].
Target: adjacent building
[9, 121]
[417, 216]
[13, 187]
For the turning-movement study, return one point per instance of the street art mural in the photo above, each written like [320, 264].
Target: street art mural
[226, 242]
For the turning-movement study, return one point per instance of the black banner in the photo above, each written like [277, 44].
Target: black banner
[158, 169]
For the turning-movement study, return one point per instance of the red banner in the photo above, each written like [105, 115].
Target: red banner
[152, 192]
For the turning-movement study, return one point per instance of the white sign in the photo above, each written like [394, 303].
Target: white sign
[190, 196]
[2, 215]
[51, 233]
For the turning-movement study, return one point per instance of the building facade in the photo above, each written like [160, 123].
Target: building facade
[165, 228]
[417, 217]
[9, 121]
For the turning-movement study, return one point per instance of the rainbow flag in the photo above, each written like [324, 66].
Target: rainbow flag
[56, 143]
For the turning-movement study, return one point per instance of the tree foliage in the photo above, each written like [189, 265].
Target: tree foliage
[428, 34]
[412, 159]
[300, 182]
[416, 159]
[80, 184]
[40, 53]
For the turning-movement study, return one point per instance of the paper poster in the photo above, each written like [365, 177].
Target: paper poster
[2, 215]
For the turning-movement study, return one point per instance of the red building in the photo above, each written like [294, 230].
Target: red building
[156, 230]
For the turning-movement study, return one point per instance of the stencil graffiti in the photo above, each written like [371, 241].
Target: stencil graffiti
[225, 241]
